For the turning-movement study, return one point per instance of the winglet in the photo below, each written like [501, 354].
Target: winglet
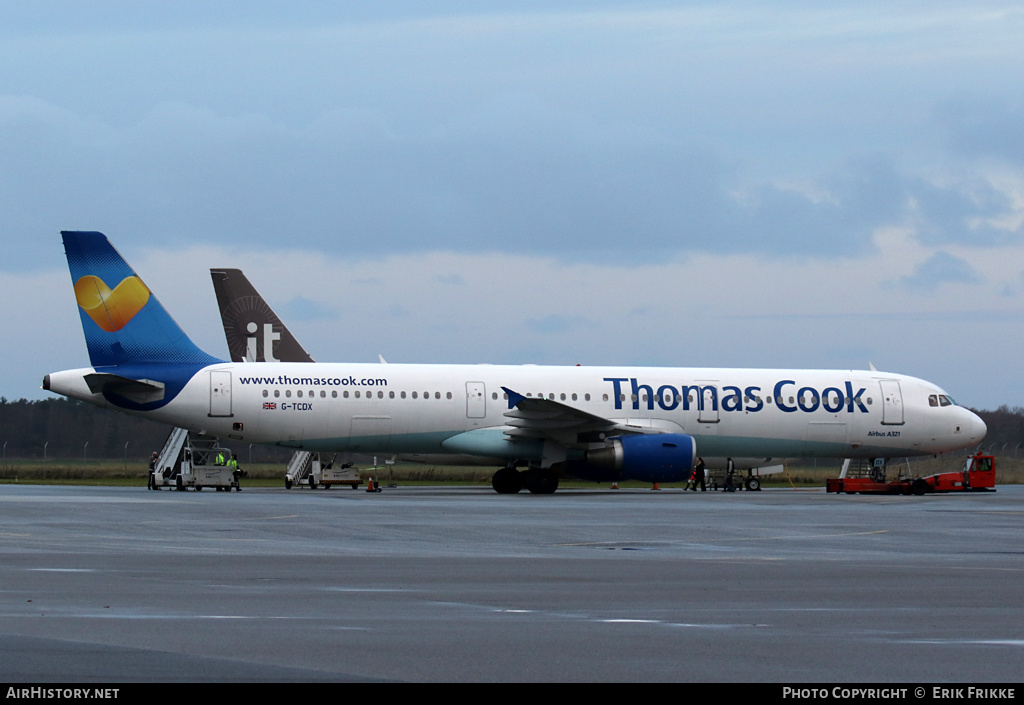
[513, 397]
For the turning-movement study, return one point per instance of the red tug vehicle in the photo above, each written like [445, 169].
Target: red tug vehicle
[978, 475]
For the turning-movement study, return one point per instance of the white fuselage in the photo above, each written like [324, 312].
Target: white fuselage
[374, 408]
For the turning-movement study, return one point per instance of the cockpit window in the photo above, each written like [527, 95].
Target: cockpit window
[945, 401]
[933, 400]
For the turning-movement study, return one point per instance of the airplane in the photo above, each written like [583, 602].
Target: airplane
[595, 423]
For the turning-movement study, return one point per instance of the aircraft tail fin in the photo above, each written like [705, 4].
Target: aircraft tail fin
[253, 331]
[122, 320]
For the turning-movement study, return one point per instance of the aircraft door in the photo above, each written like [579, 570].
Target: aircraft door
[708, 403]
[892, 402]
[476, 400]
[220, 393]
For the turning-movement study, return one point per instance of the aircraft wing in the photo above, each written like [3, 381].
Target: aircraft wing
[536, 417]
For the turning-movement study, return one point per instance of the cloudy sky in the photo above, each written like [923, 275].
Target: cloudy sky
[741, 184]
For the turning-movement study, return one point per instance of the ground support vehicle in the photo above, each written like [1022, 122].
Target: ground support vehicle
[194, 461]
[751, 481]
[320, 470]
[978, 475]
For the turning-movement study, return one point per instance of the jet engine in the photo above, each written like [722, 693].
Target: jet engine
[658, 457]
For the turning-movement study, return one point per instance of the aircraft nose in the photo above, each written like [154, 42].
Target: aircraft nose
[976, 427]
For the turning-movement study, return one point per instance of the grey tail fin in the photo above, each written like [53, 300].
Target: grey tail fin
[253, 330]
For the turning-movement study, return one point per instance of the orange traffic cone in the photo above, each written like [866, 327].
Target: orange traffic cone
[655, 486]
[369, 485]
[615, 485]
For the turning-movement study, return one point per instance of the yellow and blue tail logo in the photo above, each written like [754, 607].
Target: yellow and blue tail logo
[111, 310]
[124, 323]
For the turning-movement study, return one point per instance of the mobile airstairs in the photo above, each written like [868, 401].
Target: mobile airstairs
[193, 460]
[318, 469]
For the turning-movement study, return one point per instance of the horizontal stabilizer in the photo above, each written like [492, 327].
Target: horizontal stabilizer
[140, 391]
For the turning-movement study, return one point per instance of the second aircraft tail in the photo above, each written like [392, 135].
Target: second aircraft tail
[253, 330]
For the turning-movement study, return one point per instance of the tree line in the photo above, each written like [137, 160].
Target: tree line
[1005, 431]
[69, 429]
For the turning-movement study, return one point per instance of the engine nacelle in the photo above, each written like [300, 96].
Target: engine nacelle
[657, 457]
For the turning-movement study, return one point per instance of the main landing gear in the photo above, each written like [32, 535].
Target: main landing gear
[508, 480]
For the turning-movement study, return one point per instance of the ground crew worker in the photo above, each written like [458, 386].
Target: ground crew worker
[698, 476]
[235, 472]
